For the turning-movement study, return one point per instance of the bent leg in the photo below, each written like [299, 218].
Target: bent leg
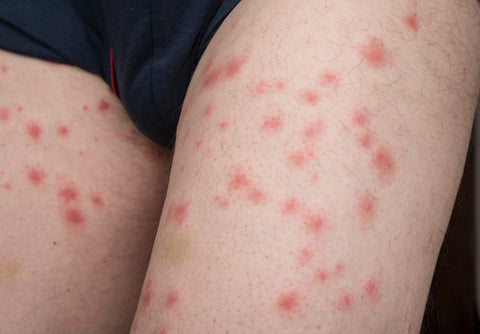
[81, 195]
[316, 164]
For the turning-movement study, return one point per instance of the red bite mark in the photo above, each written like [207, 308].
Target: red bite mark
[365, 140]
[34, 130]
[310, 97]
[264, 87]
[35, 175]
[366, 207]
[256, 196]
[147, 295]
[62, 131]
[238, 180]
[374, 53]
[383, 162]
[222, 202]
[172, 299]
[272, 123]
[288, 303]
[330, 80]
[304, 255]
[178, 212]
[103, 106]
[162, 330]
[223, 71]
[361, 117]
[371, 290]
[314, 223]
[198, 143]
[74, 217]
[313, 130]
[4, 114]
[261, 88]
[321, 275]
[4, 69]
[67, 194]
[223, 126]
[339, 268]
[208, 111]
[85, 108]
[7, 186]
[19, 108]
[290, 206]
[97, 200]
[411, 22]
[300, 158]
[345, 301]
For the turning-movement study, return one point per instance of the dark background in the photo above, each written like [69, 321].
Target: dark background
[451, 303]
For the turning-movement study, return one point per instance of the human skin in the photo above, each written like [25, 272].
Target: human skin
[317, 159]
[81, 193]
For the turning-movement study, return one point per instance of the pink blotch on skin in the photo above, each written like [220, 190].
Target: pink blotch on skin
[224, 71]
[366, 206]
[62, 131]
[361, 117]
[4, 114]
[312, 131]
[74, 217]
[238, 180]
[365, 140]
[314, 223]
[147, 295]
[19, 108]
[374, 53]
[4, 69]
[256, 196]
[198, 144]
[411, 22]
[36, 175]
[85, 108]
[34, 130]
[67, 194]
[329, 79]
[222, 202]
[371, 290]
[103, 106]
[162, 330]
[304, 255]
[383, 162]
[339, 268]
[321, 275]
[172, 299]
[261, 88]
[345, 301]
[290, 206]
[233, 66]
[6, 186]
[299, 158]
[97, 200]
[288, 302]
[272, 123]
[223, 126]
[208, 111]
[310, 97]
[178, 212]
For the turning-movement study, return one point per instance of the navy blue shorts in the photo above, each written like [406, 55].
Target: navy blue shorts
[146, 50]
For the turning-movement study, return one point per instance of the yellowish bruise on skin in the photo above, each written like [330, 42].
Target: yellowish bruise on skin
[11, 271]
[176, 248]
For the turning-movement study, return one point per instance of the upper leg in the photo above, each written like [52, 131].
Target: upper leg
[81, 193]
[315, 168]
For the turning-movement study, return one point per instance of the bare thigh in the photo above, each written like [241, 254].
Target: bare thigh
[81, 193]
[317, 160]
